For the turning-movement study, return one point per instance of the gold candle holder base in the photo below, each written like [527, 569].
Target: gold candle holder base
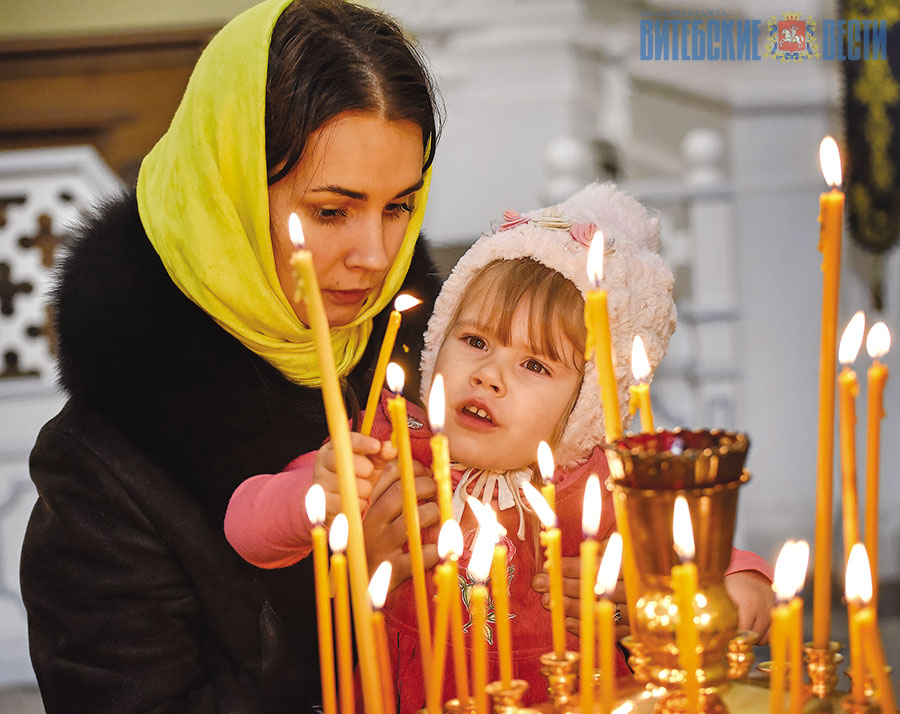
[867, 706]
[456, 706]
[561, 674]
[821, 666]
[637, 659]
[739, 655]
[507, 700]
[869, 683]
[675, 702]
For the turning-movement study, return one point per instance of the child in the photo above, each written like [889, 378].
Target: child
[508, 336]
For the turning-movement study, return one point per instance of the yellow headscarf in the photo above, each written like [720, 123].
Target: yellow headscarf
[203, 200]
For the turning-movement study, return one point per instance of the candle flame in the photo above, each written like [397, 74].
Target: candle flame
[682, 531]
[315, 504]
[858, 583]
[404, 302]
[640, 365]
[801, 564]
[785, 581]
[878, 341]
[295, 230]
[595, 259]
[830, 161]
[851, 339]
[378, 585]
[482, 549]
[545, 462]
[450, 540]
[337, 536]
[395, 377]
[592, 508]
[608, 574]
[436, 403]
[540, 506]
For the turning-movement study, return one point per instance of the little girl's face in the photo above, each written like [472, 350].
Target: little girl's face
[502, 399]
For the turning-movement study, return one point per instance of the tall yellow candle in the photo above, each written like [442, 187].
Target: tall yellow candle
[547, 466]
[640, 392]
[440, 448]
[550, 538]
[378, 588]
[401, 303]
[307, 289]
[878, 343]
[400, 434]
[800, 561]
[858, 591]
[460, 666]
[338, 541]
[479, 569]
[684, 587]
[778, 648]
[450, 544]
[629, 565]
[831, 209]
[315, 509]
[501, 613]
[607, 576]
[596, 320]
[590, 523]
[848, 388]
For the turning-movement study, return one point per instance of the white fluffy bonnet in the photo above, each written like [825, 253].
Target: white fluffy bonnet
[638, 282]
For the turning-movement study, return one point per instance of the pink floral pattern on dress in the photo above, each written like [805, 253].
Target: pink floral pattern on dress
[467, 582]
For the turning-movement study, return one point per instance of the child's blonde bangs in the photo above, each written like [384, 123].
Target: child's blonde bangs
[554, 306]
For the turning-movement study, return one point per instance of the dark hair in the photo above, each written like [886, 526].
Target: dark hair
[329, 56]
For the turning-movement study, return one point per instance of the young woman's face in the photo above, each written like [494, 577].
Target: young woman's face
[354, 191]
[502, 400]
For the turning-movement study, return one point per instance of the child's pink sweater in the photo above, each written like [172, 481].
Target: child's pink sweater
[266, 524]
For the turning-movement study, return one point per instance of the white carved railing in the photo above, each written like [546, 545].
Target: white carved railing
[42, 192]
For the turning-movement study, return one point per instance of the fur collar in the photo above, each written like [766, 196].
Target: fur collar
[205, 408]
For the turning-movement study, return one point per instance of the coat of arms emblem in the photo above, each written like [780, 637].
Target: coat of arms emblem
[792, 38]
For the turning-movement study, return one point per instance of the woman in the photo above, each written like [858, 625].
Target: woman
[188, 365]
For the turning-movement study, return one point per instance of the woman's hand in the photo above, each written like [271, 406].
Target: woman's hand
[369, 459]
[753, 595]
[385, 529]
[571, 577]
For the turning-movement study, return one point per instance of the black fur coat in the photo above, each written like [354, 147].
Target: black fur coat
[136, 602]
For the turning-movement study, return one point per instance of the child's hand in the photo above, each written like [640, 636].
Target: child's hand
[385, 528]
[753, 595]
[571, 577]
[369, 459]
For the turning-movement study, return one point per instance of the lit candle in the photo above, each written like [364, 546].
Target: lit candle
[337, 538]
[800, 561]
[378, 588]
[607, 576]
[550, 537]
[640, 392]
[401, 303]
[501, 613]
[596, 320]
[629, 565]
[831, 209]
[315, 509]
[684, 586]
[590, 523]
[307, 289]
[878, 343]
[859, 592]
[400, 434]
[848, 388]
[546, 466]
[479, 568]
[450, 545]
[783, 587]
[440, 449]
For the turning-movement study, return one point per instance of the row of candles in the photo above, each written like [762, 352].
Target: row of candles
[598, 341]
